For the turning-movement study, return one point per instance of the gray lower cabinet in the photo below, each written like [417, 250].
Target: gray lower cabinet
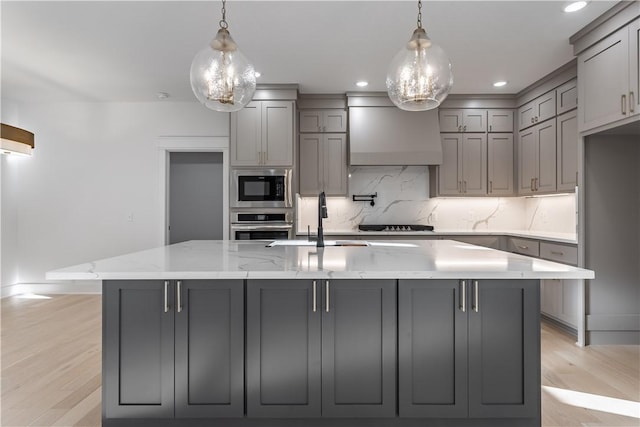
[173, 349]
[469, 349]
[321, 348]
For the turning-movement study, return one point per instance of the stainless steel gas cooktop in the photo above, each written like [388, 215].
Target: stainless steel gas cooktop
[395, 227]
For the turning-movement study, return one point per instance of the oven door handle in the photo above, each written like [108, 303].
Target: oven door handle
[261, 227]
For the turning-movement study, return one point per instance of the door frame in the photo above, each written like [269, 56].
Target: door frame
[171, 144]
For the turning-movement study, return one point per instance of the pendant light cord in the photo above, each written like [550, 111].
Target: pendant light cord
[419, 13]
[223, 21]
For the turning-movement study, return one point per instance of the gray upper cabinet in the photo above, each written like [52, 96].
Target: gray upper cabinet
[499, 383]
[262, 134]
[537, 158]
[323, 164]
[317, 121]
[500, 120]
[538, 110]
[432, 345]
[609, 79]
[457, 361]
[464, 167]
[307, 339]
[567, 150]
[500, 164]
[567, 97]
[463, 120]
[154, 337]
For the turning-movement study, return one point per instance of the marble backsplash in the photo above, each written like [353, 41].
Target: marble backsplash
[403, 198]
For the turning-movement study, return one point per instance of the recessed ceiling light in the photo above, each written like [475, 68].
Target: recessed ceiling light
[500, 83]
[362, 83]
[575, 6]
[257, 73]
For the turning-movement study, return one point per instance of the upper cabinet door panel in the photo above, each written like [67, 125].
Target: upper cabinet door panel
[604, 81]
[567, 97]
[246, 129]
[335, 121]
[528, 155]
[277, 133]
[526, 115]
[450, 120]
[546, 106]
[334, 160]
[567, 150]
[546, 157]
[500, 120]
[310, 121]
[311, 163]
[474, 164]
[500, 164]
[450, 171]
[474, 120]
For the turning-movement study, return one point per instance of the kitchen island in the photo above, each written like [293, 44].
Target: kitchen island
[401, 333]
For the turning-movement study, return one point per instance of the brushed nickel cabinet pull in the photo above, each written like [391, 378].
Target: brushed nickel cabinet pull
[490, 128]
[178, 295]
[464, 128]
[327, 295]
[166, 296]
[557, 253]
[490, 186]
[532, 120]
[535, 181]
[531, 185]
[632, 102]
[476, 297]
[315, 304]
[623, 104]
[463, 295]
[459, 186]
[459, 128]
[523, 247]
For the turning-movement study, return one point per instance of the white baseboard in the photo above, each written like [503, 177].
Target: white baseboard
[73, 287]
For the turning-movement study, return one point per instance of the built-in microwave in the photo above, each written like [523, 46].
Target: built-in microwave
[263, 188]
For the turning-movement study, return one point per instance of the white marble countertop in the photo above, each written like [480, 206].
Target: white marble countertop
[567, 238]
[219, 259]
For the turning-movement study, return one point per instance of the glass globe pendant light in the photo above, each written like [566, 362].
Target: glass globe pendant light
[419, 78]
[221, 76]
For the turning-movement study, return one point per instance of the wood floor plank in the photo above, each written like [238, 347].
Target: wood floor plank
[51, 362]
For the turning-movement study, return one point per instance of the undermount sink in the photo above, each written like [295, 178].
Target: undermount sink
[310, 243]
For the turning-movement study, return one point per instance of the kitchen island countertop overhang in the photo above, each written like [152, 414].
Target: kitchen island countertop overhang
[222, 259]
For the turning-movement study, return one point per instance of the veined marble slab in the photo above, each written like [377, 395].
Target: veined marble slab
[223, 259]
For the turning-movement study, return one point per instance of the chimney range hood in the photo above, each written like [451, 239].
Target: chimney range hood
[382, 134]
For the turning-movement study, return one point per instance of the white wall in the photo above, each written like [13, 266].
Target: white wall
[94, 164]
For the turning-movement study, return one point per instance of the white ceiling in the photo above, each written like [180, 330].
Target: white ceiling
[129, 51]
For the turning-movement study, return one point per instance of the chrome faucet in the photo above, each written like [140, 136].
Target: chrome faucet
[322, 213]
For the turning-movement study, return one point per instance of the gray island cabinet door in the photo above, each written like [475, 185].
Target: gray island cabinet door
[504, 349]
[138, 349]
[209, 349]
[432, 349]
[359, 348]
[283, 349]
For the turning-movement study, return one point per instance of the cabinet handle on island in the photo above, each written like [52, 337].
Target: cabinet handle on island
[327, 295]
[178, 295]
[463, 295]
[166, 296]
[315, 305]
[476, 298]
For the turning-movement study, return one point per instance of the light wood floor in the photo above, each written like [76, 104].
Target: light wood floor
[51, 357]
